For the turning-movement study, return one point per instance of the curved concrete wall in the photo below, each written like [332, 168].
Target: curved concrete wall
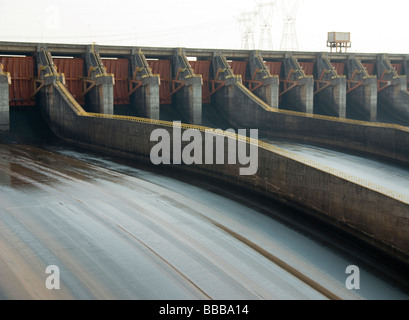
[379, 219]
[244, 110]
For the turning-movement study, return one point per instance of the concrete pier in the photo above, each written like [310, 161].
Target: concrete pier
[362, 91]
[187, 88]
[99, 97]
[145, 98]
[47, 77]
[5, 81]
[301, 96]
[405, 67]
[233, 99]
[330, 89]
[270, 84]
[393, 95]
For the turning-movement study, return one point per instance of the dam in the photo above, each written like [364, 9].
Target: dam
[332, 135]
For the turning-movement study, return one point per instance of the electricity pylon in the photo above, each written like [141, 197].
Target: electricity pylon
[246, 22]
[265, 12]
[289, 38]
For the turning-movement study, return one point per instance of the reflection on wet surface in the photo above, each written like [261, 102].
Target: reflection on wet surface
[121, 232]
[392, 176]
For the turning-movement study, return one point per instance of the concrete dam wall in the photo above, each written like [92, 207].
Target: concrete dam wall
[374, 217]
[79, 106]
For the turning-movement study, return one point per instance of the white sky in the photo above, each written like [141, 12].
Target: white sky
[375, 26]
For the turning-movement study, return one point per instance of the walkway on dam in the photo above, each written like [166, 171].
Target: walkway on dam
[369, 87]
[117, 231]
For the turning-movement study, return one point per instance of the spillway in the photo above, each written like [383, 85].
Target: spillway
[119, 231]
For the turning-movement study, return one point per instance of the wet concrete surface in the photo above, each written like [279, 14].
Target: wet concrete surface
[392, 176]
[120, 231]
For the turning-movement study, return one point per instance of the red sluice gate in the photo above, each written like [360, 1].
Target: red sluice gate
[22, 86]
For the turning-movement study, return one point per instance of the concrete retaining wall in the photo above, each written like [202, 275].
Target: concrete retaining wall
[377, 218]
[244, 110]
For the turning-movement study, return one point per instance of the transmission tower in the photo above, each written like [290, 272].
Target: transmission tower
[265, 12]
[246, 22]
[289, 38]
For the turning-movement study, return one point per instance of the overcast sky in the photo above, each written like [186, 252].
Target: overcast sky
[375, 26]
